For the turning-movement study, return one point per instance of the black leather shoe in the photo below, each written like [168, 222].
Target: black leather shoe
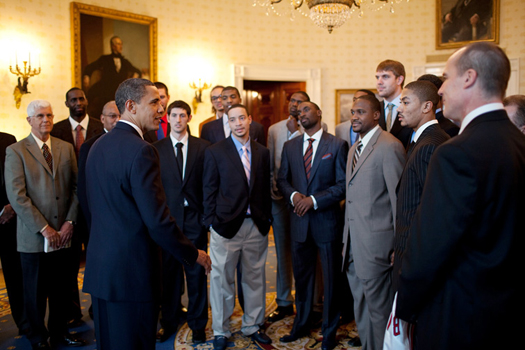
[164, 334]
[280, 313]
[291, 337]
[199, 336]
[355, 342]
[261, 337]
[68, 340]
[328, 344]
[43, 345]
[219, 342]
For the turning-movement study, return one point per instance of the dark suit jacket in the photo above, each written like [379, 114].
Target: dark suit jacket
[191, 187]
[62, 130]
[130, 217]
[464, 251]
[447, 125]
[326, 184]
[5, 141]
[226, 190]
[402, 133]
[81, 183]
[214, 132]
[410, 188]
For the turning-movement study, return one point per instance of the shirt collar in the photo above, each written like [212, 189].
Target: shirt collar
[423, 127]
[74, 123]
[479, 111]
[184, 140]
[368, 136]
[238, 144]
[40, 143]
[316, 136]
[133, 126]
[396, 102]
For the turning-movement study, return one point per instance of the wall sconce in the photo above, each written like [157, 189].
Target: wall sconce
[23, 77]
[198, 87]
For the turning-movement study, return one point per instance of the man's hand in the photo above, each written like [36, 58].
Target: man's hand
[474, 19]
[204, 260]
[297, 198]
[7, 215]
[302, 206]
[292, 126]
[52, 236]
[66, 233]
[392, 256]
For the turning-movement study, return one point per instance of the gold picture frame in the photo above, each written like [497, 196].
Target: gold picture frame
[92, 30]
[460, 22]
[344, 99]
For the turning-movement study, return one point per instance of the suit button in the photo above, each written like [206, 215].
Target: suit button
[349, 201]
[55, 217]
[57, 198]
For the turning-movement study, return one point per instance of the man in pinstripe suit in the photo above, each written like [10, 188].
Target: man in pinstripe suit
[417, 111]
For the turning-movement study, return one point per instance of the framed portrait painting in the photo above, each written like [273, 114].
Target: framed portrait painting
[110, 46]
[344, 98]
[459, 22]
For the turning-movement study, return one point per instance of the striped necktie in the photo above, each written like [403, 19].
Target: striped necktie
[47, 156]
[246, 163]
[308, 158]
[390, 106]
[79, 140]
[357, 153]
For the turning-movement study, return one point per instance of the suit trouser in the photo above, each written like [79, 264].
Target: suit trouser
[372, 306]
[283, 248]
[250, 247]
[173, 280]
[304, 266]
[125, 325]
[45, 279]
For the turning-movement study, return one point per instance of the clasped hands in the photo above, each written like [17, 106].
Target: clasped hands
[204, 260]
[302, 204]
[58, 239]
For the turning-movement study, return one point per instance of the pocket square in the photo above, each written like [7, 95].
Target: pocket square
[327, 156]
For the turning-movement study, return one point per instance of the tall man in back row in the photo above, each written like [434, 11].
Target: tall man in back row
[458, 278]
[312, 179]
[130, 220]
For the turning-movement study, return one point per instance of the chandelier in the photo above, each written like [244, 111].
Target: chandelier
[328, 14]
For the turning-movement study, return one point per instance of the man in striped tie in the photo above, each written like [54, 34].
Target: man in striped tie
[312, 178]
[374, 167]
[237, 211]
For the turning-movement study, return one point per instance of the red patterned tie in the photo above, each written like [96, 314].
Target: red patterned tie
[47, 156]
[80, 139]
[308, 158]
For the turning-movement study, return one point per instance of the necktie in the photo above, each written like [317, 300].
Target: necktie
[308, 158]
[80, 139]
[160, 132]
[180, 158]
[390, 106]
[357, 153]
[246, 163]
[47, 156]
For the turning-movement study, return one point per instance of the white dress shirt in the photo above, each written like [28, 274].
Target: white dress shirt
[84, 123]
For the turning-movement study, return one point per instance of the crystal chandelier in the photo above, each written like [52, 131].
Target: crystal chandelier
[328, 14]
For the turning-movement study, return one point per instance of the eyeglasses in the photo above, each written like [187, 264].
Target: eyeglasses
[112, 115]
[215, 98]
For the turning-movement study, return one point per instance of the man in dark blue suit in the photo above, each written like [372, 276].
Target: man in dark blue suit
[181, 167]
[459, 271]
[312, 176]
[129, 220]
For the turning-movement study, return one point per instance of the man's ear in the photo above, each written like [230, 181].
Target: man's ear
[470, 77]
[130, 106]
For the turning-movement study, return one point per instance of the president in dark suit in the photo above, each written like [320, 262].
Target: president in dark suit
[417, 111]
[40, 177]
[181, 168]
[237, 210]
[11, 267]
[219, 129]
[458, 279]
[390, 79]
[129, 220]
[312, 177]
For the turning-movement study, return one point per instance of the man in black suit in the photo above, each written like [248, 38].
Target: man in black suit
[11, 267]
[417, 111]
[237, 210]
[109, 118]
[130, 220]
[181, 167]
[463, 253]
[75, 130]
[219, 129]
[312, 177]
[113, 69]
[446, 124]
[390, 78]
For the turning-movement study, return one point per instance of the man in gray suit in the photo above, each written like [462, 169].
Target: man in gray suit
[344, 130]
[41, 174]
[374, 166]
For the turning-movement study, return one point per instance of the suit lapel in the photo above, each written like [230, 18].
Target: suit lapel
[233, 154]
[366, 152]
[56, 152]
[190, 159]
[32, 147]
[298, 162]
[170, 153]
[321, 149]
[254, 163]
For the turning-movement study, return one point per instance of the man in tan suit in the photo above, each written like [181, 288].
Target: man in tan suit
[374, 166]
[40, 176]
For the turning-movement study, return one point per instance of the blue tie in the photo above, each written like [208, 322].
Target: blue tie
[160, 132]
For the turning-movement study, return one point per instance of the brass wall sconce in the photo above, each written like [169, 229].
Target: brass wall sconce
[198, 87]
[23, 78]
